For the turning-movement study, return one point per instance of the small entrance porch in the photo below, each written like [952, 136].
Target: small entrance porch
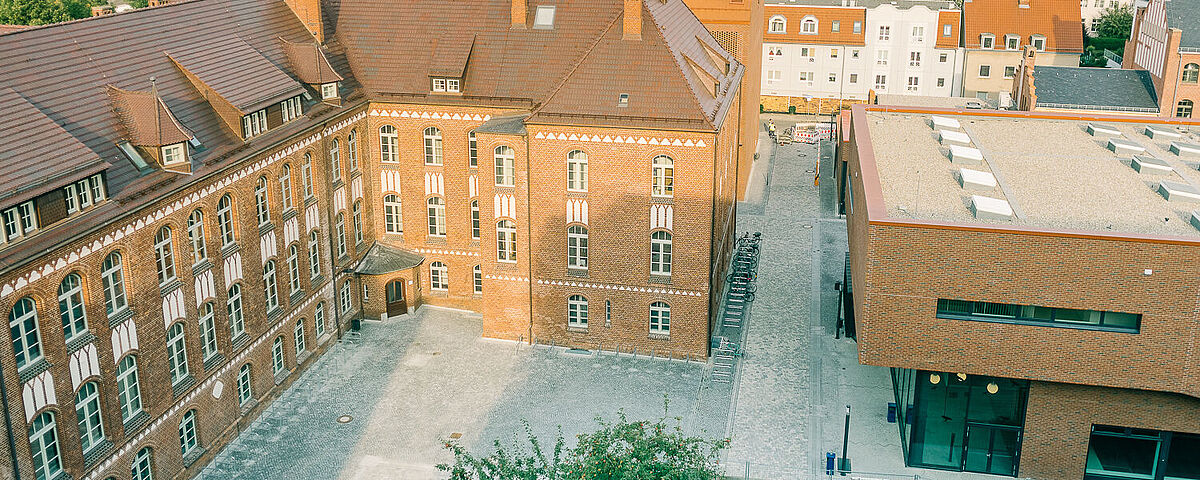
[391, 281]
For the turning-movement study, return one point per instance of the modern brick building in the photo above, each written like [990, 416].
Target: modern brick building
[204, 210]
[1166, 42]
[1029, 277]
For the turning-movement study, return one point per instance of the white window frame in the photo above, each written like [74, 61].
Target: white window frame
[270, 292]
[306, 176]
[577, 247]
[339, 229]
[505, 162]
[87, 413]
[27, 339]
[72, 307]
[660, 318]
[433, 146]
[319, 319]
[177, 353]
[662, 176]
[352, 149]
[1012, 42]
[245, 386]
[881, 57]
[914, 59]
[237, 316]
[577, 171]
[777, 24]
[577, 311]
[477, 272]
[438, 277]
[393, 217]
[298, 336]
[661, 251]
[453, 85]
[356, 221]
[195, 231]
[129, 392]
[506, 241]
[388, 144]
[113, 280]
[947, 30]
[262, 201]
[885, 33]
[293, 262]
[472, 149]
[809, 25]
[174, 154]
[435, 209]
[208, 332]
[987, 40]
[347, 302]
[290, 109]
[329, 90]
[1038, 42]
[44, 447]
[439, 84]
[982, 74]
[914, 84]
[277, 359]
[143, 468]
[225, 221]
[164, 256]
[880, 82]
[285, 188]
[314, 253]
[254, 124]
[187, 433]
[335, 160]
[475, 219]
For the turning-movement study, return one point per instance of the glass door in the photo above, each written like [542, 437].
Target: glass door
[991, 449]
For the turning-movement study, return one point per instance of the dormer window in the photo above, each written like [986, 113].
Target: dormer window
[808, 26]
[174, 154]
[83, 194]
[18, 222]
[254, 123]
[987, 40]
[447, 85]
[623, 100]
[329, 90]
[778, 24]
[292, 109]
[1012, 42]
[1038, 42]
[544, 18]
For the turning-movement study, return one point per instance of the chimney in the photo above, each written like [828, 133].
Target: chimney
[632, 26]
[309, 13]
[519, 12]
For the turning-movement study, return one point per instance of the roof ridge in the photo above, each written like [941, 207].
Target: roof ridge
[709, 117]
[586, 53]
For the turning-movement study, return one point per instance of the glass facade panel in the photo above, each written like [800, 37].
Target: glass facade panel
[1183, 458]
[1122, 455]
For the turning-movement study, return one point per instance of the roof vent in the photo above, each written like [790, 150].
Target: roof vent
[623, 100]
[965, 155]
[976, 179]
[1181, 149]
[1123, 146]
[988, 208]
[1102, 129]
[939, 122]
[1173, 191]
[1151, 165]
[950, 137]
[1155, 131]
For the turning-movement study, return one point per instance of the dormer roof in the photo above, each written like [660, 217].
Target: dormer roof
[145, 118]
[236, 72]
[309, 62]
[450, 54]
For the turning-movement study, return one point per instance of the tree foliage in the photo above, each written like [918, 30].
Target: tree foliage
[620, 450]
[1115, 22]
[41, 12]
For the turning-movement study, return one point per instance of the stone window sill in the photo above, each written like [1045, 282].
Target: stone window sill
[248, 405]
[577, 272]
[230, 249]
[660, 336]
[80, 341]
[308, 201]
[281, 376]
[97, 452]
[170, 286]
[181, 387]
[34, 369]
[213, 362]
[660, 279]
[193, 455]
[240, 342]
[296, 297]
[202, 266]
[289, 214]
[118, 317]
[577, 329]
[265, 227]
[136, 423]
[302, 357]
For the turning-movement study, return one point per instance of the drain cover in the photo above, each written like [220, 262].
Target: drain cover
[344, 419]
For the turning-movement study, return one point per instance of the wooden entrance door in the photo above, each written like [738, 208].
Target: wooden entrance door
[396, 305]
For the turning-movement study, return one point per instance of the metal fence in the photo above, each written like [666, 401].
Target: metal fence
[764, 471]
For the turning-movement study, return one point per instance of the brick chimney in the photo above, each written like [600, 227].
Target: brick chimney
[632, 26]
[309, 13]
[519, 12]
[1024, 91]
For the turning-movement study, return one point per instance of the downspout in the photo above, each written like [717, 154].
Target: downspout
[12, 444]
[529, 232]
[333, 266]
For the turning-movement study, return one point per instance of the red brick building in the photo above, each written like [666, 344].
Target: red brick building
[225, 199]
[1166, 42]
[1036, 325]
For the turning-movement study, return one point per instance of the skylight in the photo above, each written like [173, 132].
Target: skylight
[544, 17]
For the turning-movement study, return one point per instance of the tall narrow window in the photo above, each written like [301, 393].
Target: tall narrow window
[23, 323]
[1184, 109]
[577, 247]
[472, 149]
[87, 412]
[437, 276]
[436, 209]
[298, 336]
[1191, 73]
[271, 295]
[277, 356]
[475, 219]
[319, 319]
[314, 254]
[505, 170]
[388, 144]
[225, 220]
[433, 146]
[195, 229]
[352, 150]
[660, 253]
[660, 318]
[506, 241]
[339, 228]
[163, 254]
[142, 468]
[43, 446]
[187, 433]
[208, 332]
[70, 306]
[663, 177]
[577, 311]
[478, 274]
[177, 353]
[128, 391]
[393, 220]
[293, 262]
[357, 218]
[113, 281]
[285, 187]
[261, 201]
[243, 385]
[577, 171]
[335, 162]
[344, 297]
[237, 324]
[306, 177]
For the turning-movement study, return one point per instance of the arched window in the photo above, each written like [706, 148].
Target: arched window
[505, 170]
[225, 220]
[475, 219]
[339, 227]
[662, 177]
[87, 411]
[436, 208]
[43, 446]
[293, 263]
[478, 273]
[271, 295]
[128, 391]
[233, 306]
[335, 162]
[344, 297]
[23, 323]
[352, 149]
[393, 220]
[472, 149]
[314, 254]
[577, 171]
[577, 311]
[260, 201]
[243, 385]
[177, 353]
[319, 319]
[277, 356]
[164, 255]
[778, 24]
[306, 175]
[143, 468]
[195, 230]
[70, 306]
[506, 241]
[433, 146]
[1191, 73]
[387, 144]
[660, 318]
[113, 281]
[285, 187]
[808, 26]
[356, 211]
[577, 247]
[438, 277]
[187, 433]
[660, 253]
[208, 332]
[1184, 109]
[298, 335]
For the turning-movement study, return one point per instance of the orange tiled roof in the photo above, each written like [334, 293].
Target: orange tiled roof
[948, 17]
[1058, 20]
[826, 16]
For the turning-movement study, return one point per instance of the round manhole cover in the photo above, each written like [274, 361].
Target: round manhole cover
[344, 419]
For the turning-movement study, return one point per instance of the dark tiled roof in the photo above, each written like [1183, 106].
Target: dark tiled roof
[383, 259]
[1096, 87]
[1185, 15]
[506, 125]
[237, 72]
[145, 119]
[309, 62]
[30, 140]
